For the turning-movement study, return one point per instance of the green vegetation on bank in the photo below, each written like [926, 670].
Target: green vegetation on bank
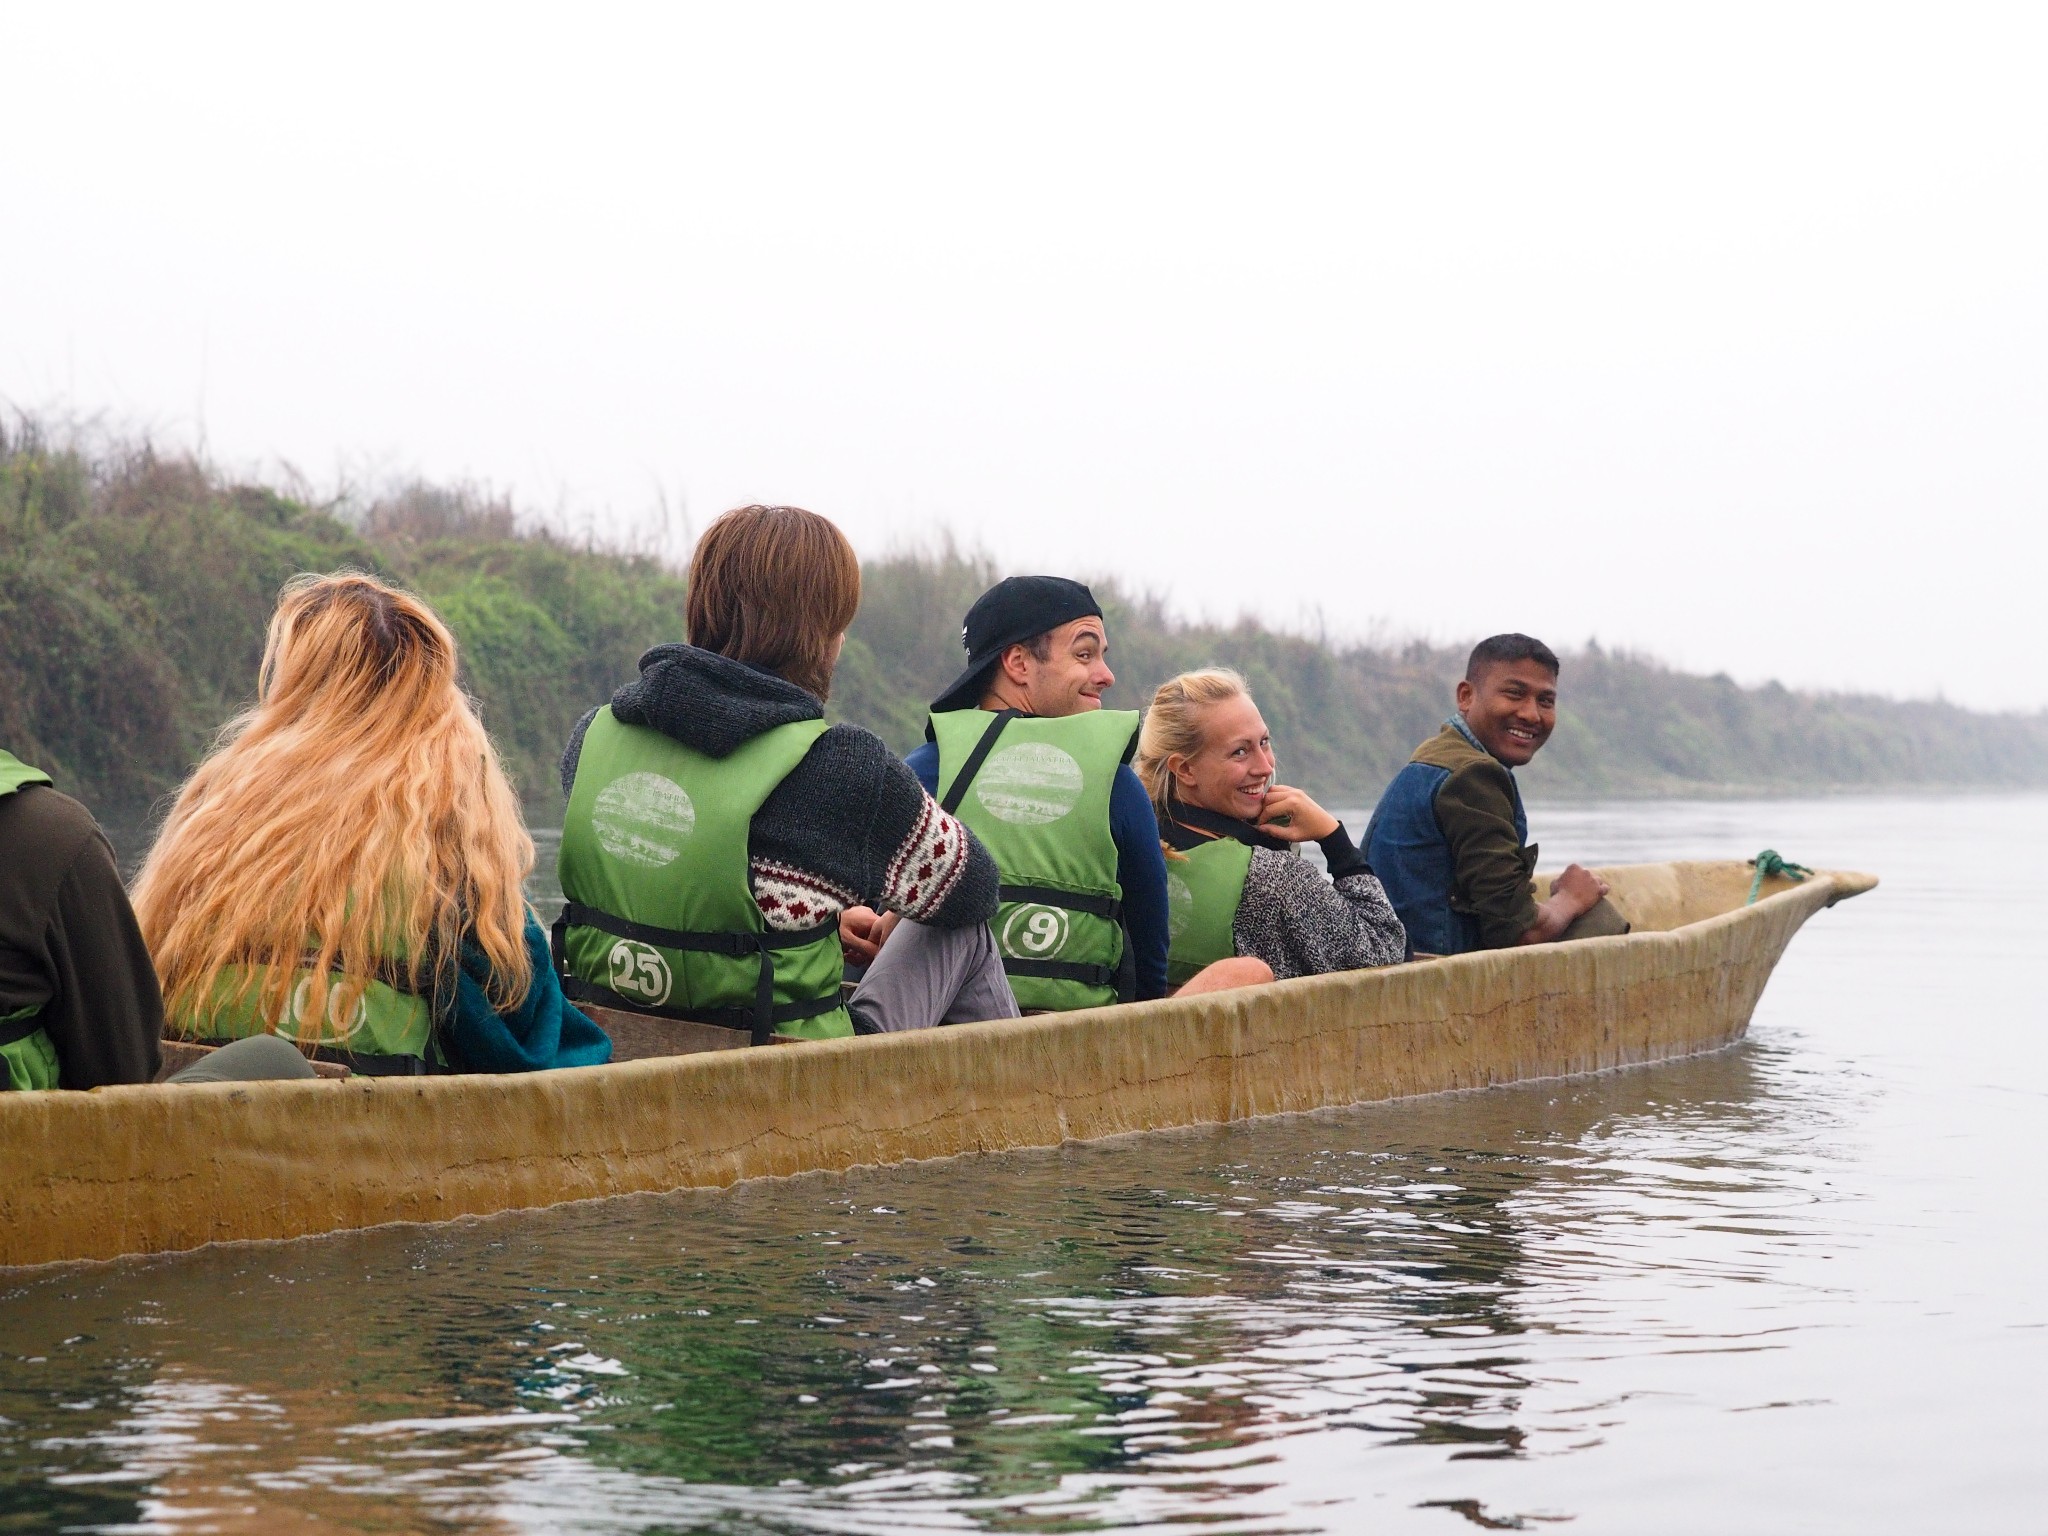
[134, 588]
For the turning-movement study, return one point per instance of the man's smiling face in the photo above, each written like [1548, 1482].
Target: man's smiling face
[1069, 680]
[1511, 709]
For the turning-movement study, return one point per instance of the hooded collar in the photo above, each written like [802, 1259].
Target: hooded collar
[710, 702]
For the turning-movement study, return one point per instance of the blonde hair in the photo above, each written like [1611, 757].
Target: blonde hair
[1173, 725]
[356, 820]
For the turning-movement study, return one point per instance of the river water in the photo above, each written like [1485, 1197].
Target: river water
[1798, 1285]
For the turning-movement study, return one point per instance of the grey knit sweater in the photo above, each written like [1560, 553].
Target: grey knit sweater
[850, 825]
[1303, 925]
[1300, 923]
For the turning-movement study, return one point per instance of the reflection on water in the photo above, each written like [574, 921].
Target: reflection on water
[1797, 1284]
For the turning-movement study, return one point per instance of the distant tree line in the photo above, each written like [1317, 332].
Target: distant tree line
[135, 585]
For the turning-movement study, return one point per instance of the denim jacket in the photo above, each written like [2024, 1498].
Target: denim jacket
[1412, 853]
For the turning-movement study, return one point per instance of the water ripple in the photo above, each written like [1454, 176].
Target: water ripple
[1800, 1282]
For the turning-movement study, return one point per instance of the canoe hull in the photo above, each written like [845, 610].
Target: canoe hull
[156, 1169]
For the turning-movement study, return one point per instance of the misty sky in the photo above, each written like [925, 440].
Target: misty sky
[1721, 333]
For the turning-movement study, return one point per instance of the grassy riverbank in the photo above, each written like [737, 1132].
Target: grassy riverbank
[134, 588]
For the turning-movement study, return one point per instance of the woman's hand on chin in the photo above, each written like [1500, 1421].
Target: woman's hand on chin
[1291, 816]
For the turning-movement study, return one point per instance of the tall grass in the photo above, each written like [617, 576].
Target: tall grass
[134, 587]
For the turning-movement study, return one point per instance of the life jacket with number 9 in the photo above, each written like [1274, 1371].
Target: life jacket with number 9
[1036, 791]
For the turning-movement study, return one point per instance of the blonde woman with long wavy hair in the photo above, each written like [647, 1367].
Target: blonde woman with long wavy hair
[1236, 888]
[345, 869]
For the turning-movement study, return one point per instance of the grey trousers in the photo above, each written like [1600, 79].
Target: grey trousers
[930, 976]
[258, 1058]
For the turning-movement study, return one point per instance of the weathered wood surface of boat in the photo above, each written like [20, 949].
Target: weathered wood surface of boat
[153, 1169]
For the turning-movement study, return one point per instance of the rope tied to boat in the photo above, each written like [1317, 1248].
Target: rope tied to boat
[1769, 863]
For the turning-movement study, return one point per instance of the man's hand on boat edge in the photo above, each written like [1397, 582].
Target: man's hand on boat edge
[1572, 894]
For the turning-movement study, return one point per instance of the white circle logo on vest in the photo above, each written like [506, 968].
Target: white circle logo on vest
[1028, 784]
[643, 819]
[1033, 932]
[638, 971]
[1180, 904]
[342, 1024]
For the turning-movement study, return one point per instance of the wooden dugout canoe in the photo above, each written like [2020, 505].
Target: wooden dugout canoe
[155, 1169]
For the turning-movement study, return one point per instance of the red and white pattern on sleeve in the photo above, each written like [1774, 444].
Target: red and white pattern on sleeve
[793, 899]
[923, 872]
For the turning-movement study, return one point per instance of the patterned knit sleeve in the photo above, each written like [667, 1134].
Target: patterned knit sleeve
[1302, 925]
[852, 824]
[937, 872]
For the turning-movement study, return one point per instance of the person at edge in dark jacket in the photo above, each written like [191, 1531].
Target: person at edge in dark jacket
[78, 996]
[344, 873]
[1449, 839]
[1239, 892]
[724, 849]
[1021, 747]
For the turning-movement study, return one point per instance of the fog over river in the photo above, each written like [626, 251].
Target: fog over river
[1798, 1285]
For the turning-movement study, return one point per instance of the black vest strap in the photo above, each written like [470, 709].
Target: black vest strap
[1074, 901]
[1123, 976]
[20, 1029]
[1064, 970]
[759, 1021]
[1182, 826]
[964, 779]
[576, 915]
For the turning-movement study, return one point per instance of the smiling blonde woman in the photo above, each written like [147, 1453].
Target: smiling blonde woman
[1236, 883]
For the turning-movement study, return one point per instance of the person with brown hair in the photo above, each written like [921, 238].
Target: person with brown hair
[1239, 891]
[345, 869]
[724, 849]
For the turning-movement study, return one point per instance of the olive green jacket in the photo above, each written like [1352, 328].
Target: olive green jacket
[1491, 865]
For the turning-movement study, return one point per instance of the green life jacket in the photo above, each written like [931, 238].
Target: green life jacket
[1205, 887]
[389, 1032]
[15, 774]
[661, 916]
[28, 1058]
[1036, 792]
[26, 1051]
